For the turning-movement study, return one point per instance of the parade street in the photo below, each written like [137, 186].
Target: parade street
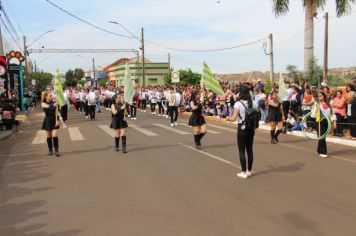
[164, 186]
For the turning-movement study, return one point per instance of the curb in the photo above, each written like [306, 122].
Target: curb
[345, 142]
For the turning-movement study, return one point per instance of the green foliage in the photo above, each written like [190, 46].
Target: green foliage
[337, 81]
[189, 77]
[78, 74]
[81, 82]
[268, 87]
[42, 79]
[315, 73]
[167, 79]
[312, 77]
[102, 83]
[294, 74]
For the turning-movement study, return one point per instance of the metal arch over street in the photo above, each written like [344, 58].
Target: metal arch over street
[81, 50]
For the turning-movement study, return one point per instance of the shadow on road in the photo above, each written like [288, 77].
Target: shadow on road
[298, 166]
[18, 216]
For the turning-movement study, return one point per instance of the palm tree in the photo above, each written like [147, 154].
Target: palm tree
[281, 7]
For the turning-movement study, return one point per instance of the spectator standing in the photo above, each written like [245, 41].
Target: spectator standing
[339, 107]
[351, 109]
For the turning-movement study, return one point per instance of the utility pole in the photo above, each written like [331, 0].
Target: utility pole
[270, 37]
[26, 54]
[1, 45]
[94, 76]
[326, 47]
[169, 66]
[35, 65]
[143, 57]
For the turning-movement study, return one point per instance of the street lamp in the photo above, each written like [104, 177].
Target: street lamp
[27, 46]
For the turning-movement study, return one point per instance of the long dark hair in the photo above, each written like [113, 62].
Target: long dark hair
[245, 95]
[326, 101]
[193, 97]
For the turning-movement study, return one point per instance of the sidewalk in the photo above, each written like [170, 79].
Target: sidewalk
[5, 134]
[330, 139]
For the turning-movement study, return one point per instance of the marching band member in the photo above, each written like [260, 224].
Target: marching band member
[51, 123]
[275, 117]
[119, 123]
[197, 120]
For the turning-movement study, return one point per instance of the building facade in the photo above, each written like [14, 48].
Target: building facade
[154, 72]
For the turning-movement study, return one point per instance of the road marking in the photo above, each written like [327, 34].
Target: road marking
[107, 130]
[307, 150]
[143, 130]
[75, 134]
[40, 137]
[211, 155]
[171, 129]
[209, 131]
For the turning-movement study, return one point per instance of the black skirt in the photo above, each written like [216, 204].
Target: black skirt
[118, 124]
[49, 123]
[196, 120]
[274, 116]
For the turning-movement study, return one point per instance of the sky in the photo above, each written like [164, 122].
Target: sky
[180, 24]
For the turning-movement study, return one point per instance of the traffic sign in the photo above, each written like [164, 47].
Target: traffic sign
[2, 70]
[175, 77]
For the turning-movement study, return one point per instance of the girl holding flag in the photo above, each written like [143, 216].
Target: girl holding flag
[51, 123]
[197, 120]
[118, 122]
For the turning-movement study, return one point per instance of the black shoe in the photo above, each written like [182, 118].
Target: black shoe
[198, 147]
[273, 141]
[57, 154]
[276, 140]
[50, 153]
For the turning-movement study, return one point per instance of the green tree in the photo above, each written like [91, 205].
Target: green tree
[102, 83]
[295, 74]
[78, 74]
[69, 78]
[189, 77]
[314, 75]
[281, 7]
[42, 79]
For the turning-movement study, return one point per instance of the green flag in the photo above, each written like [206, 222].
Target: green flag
[58, 90]
[282, 91]
[209, 81]
[129, 87]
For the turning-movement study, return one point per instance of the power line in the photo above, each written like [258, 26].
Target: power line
[9, 33]
[87, 22]
[297, 34]
[150, 41]
[9, 21]
[207, 50]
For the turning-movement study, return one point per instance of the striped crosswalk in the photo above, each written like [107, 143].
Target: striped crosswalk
[76, 133]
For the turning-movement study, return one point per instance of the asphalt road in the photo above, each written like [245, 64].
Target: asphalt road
[163, 186]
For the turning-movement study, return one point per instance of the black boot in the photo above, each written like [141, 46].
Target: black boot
[196, 140]
[117, 144]
[124, 144]
[50, 146]
[277, 134]
[56, 145]
[201, 135]
[273, 141]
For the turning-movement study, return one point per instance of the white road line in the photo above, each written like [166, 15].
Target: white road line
[211, 155]
[107, 130]
[142, 130]
[75, 134]
[40, 137]
[175, 130]
[209, 131]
